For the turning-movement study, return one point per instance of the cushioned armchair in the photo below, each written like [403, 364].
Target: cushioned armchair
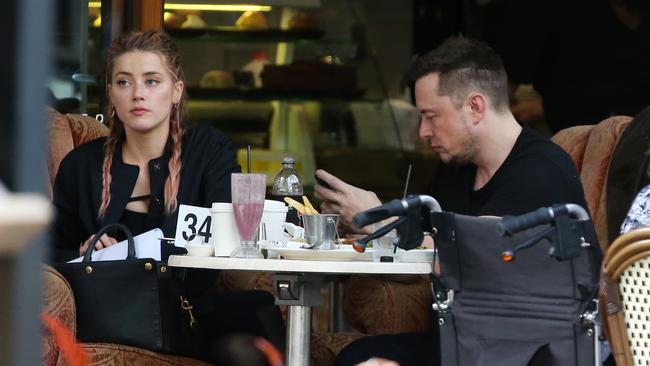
[591, 148]
[58, 301]
[66, 132]
[375, 305]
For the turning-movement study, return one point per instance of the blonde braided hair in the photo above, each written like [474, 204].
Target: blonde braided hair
[160, 43]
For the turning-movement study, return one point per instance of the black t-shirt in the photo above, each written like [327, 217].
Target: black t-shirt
[207, 162]
[536, 173]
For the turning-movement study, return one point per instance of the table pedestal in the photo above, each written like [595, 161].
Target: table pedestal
[298, 335]
[299, 292]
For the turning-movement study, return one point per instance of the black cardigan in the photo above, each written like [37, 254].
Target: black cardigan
[207, 162]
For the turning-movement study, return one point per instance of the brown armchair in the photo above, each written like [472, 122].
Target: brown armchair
[58, 301]
[65, 133]
[591, 148]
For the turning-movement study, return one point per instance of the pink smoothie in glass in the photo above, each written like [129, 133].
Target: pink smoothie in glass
[247, 216]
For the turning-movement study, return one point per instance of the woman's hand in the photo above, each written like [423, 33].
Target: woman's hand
[344, 199]
[103, 242]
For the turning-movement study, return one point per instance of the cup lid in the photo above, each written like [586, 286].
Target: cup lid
[221, 206]
[274, 205]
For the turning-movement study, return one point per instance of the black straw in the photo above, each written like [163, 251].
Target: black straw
[408, 179]
[406, 189]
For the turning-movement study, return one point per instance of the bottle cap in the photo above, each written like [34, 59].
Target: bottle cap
[259, 55]
[288, 160]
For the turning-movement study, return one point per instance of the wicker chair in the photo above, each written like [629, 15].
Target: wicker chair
[625, 283]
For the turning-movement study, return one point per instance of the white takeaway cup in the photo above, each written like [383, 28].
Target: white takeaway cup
[225, 235]
[275, 213]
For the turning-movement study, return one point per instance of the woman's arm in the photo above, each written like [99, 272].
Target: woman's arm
[67, 231]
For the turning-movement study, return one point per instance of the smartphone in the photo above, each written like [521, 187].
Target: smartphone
[322, 182]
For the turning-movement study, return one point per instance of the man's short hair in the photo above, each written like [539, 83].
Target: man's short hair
[464, 65]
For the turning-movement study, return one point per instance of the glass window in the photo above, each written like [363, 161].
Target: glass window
[77, 57]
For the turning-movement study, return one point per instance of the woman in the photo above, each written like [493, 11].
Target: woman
[149, 164]
[146, 168]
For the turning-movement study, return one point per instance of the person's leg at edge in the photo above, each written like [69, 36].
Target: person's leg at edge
[413, 349]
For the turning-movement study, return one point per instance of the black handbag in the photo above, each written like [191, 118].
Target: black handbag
[136, 302]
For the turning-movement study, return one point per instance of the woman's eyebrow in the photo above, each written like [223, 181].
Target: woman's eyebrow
[148, 73]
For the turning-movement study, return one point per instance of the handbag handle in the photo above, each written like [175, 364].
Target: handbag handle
[131, 243]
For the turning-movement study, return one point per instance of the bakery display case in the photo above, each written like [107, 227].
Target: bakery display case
[288, 77]
[294, 78]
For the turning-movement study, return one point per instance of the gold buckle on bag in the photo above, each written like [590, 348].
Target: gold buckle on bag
[185, 305]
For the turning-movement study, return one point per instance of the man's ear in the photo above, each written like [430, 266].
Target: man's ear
[477, 104]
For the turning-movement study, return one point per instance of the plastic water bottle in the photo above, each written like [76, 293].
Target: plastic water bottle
[288, 184]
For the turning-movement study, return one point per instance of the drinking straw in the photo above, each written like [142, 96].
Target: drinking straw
[406, 188]
[408, 178]
[248, 158]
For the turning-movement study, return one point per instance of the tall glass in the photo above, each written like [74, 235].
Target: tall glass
[248, 193]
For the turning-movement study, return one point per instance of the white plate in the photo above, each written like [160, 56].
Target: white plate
[293, 250]
[416, 255]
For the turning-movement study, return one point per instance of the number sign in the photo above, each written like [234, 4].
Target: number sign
[193, 225]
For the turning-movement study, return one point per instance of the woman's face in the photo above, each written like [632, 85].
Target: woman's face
[143, 91]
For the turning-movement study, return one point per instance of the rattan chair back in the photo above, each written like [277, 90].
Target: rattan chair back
[626, 288]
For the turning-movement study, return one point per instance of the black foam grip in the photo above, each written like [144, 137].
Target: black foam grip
[513, 224]
[392, 208]
[395, 207]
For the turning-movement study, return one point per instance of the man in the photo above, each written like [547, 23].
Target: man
[491, 165]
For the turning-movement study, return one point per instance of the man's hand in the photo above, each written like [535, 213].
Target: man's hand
[344, 199]
[103, 242]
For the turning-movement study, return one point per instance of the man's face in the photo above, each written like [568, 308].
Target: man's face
[442, 125]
